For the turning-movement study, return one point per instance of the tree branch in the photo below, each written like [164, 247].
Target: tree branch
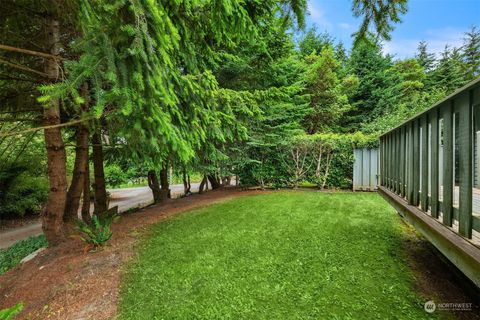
[18, 66]
[29, 52]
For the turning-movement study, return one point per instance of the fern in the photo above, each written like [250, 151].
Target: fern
[99, 232]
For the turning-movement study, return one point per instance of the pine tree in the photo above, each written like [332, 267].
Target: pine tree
[327, 94]
[471, 53]
[449, 74]
[425, 59]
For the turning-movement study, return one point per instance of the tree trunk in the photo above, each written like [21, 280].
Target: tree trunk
[52, 219]
[165, 186]
[154, 186]
[189, 183]
[214, 181]
[186, 183]
[76, 187]
[100, 190]
[86, 192]
[203, 184]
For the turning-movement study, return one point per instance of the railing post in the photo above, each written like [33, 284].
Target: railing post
[395, 160]
[399, 163]
[416, 161]
[402, 161]
[389, 164]
[424, 164]
[465, 163]
[434, 165]
[447, 164]
[410, 164]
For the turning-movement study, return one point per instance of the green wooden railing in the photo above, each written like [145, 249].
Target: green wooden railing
[432, 160]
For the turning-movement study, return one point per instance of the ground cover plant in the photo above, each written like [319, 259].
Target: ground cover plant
[290, 255]
[11, 256]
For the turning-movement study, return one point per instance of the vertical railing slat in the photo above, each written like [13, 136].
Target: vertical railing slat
[397, 156]
[424, 164]
[402, 161]
[434, 165]
[410, 164]
[448, 164]
[465, 164]
[416, 161]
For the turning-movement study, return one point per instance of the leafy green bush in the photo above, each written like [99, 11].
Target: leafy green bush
[115, 175]
[9, 313]
[295, 160]
[11, 256]
[20, 191]
[98, 232]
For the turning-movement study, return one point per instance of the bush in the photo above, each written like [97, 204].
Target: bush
[295, 161]
[20, 191]
[12, 256]
[115, 175]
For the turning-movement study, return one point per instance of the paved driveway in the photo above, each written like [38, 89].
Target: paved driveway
[125, 199]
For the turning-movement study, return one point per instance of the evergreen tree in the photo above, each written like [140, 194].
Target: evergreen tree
[449, 74]
[471, 53]
[425, 59]
[313, 42]
[328, 99]
[369, 65]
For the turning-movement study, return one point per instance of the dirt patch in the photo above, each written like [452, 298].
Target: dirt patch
[439, 280]
[63, 283]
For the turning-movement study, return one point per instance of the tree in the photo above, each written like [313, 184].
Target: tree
[369, 65]
[471, 53]
[313, 42]
[425, 59]
[449, 74]
[328, 98]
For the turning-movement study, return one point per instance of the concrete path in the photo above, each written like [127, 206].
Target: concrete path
[125, 199]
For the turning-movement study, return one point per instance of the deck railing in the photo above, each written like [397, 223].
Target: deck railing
[431, 162]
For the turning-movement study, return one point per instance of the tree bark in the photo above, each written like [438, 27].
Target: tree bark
[186, 183]
[52, 219]
[100, 190]
[76, 187]
[203, 185]
[86, 192]
[214, 181]
[165, 186]
[154, 186]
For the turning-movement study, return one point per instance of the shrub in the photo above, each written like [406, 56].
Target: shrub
[11, 256]
[115, 175]
[296, 160]
[20, 191]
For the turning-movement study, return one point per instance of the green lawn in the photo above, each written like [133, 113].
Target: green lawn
[287, 255]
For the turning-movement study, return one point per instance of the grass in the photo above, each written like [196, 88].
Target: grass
[12, 256]
[286, 255]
